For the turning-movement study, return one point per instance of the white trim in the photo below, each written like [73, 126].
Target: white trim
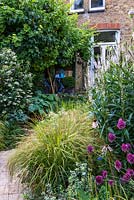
[76, 10]
[101, 8]
[131, 12]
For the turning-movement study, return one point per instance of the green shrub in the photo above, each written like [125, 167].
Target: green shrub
[15, 84]
[10, 134]
[47, 156]
[43, 32]
[68, 82]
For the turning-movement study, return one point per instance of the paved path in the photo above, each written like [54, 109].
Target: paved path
[9, 189]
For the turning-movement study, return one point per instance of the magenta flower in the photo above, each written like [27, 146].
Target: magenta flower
[126, 177]
[111, 182]
[121, 124]
[130, 158]
[104, 173]
[118, 165]
[111, 137]
[125, 147]
[90, 149]
[130, 171]
[99, 180]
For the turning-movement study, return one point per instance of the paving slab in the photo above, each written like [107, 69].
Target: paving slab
[10, 189]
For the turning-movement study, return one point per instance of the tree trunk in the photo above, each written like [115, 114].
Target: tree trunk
[51, 83]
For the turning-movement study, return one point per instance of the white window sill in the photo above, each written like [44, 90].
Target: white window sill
[96, 9]
[77, 10]
[105, 43]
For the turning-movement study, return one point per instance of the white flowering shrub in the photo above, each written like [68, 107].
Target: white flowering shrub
[15, 84]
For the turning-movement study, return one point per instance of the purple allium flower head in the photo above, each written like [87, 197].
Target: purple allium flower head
[111, 137]
[130, 158]
[104, 173]
[90, 149]
[130, 171]
[129, 146]
[99, 180]
[126, 177]
[118, 165]
[125, 147]
[111, 182]
[121, 124]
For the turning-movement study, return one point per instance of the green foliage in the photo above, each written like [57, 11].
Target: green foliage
[10, 134]
[69, 82]
[78, 187]
[18, 116]
[15, 84]
[81, 186]
[113, 98]
[47, 156]
[42, 32]
[43, 103]
[76, 101]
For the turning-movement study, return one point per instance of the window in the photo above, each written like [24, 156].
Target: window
[105, 50]
[107, 36]
[96, 5]
[77, 6]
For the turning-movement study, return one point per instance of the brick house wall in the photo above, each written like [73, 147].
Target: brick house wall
[113, 17]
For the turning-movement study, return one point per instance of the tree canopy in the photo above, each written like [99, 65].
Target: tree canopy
[42, 32]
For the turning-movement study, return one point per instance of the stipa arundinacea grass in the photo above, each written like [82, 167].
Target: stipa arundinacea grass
[48, 155]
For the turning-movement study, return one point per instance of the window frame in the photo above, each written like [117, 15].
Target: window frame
[117, 37]
[101, 8]
[106, 44]
[76, 10]
[103, 46]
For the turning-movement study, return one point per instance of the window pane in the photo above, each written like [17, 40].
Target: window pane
[106, 37]
[78, 4]
[96, 3]
[97, 53]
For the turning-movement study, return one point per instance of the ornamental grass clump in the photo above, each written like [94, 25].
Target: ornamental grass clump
[48, 155]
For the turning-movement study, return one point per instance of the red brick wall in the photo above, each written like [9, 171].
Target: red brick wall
[115, 16]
